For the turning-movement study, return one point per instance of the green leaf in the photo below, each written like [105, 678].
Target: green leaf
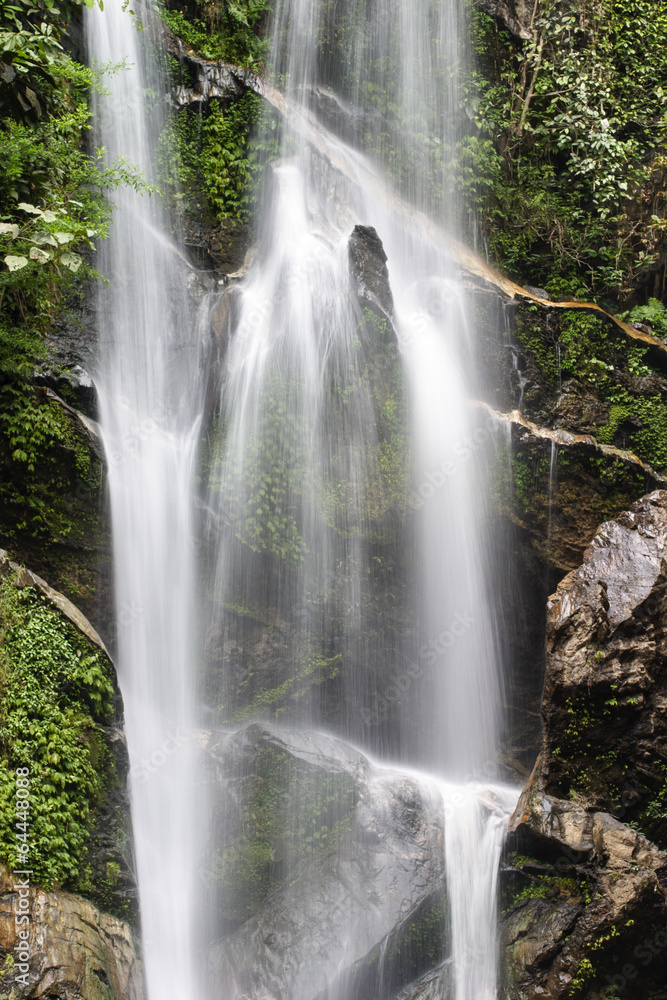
[25, 207]
[72, 260]
[41, 256]
[15, 263]
[41, 238]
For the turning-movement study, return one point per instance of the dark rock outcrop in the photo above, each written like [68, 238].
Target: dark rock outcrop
[585, 896]
[585, 913]
[515, 15]
[345, 879]
[605, 690]
[368, 265]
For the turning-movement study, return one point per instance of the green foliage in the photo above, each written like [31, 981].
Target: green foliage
[576, 122]
[226, 30]
[50, 473]
[586, 971]
[654, 313]
[53, 203]
[309, 668]
[31, 429]
[32, 60]
[556, 887]
[215, 154]
[261, 488]
[582, 347]
[226, 164]
[56, 691]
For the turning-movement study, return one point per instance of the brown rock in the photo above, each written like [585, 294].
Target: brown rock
[589, 909]
[606, 687]
[515, 15]
[75, 951]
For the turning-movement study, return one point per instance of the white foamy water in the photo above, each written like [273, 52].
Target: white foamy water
[149, 392]
[296, 470]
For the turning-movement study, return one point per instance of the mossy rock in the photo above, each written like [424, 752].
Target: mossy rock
[53, 507]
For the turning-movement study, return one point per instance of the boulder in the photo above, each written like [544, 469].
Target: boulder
[605, 691]
[368, 266]
[75, 951]
[584, 894]
[584, 910]
[329, 868]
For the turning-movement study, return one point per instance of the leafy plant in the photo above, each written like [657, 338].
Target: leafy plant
[222, 29]
[654, 313]
[53, 205]
[56, 691]
[215, 154]
[575, 116]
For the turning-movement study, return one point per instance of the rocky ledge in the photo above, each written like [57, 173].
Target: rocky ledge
[74, 952]
[585, 895]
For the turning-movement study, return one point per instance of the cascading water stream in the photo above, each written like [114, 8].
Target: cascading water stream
[296, 469]
[150, 410]
[305, 338]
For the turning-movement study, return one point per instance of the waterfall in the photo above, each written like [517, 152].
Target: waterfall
[150, 410]
[299, 344]
[301, 463]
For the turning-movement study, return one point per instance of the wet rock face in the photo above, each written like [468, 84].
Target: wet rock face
[75, 952]
[330, 898]
[368, 265]
[585, 895]
[606, 685]
[586, 909]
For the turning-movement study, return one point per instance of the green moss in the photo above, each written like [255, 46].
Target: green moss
[590, 765]
[311, 668]
[48, 461]
[293, 816]
[537, 886]
[532, 335]
[56, 691]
